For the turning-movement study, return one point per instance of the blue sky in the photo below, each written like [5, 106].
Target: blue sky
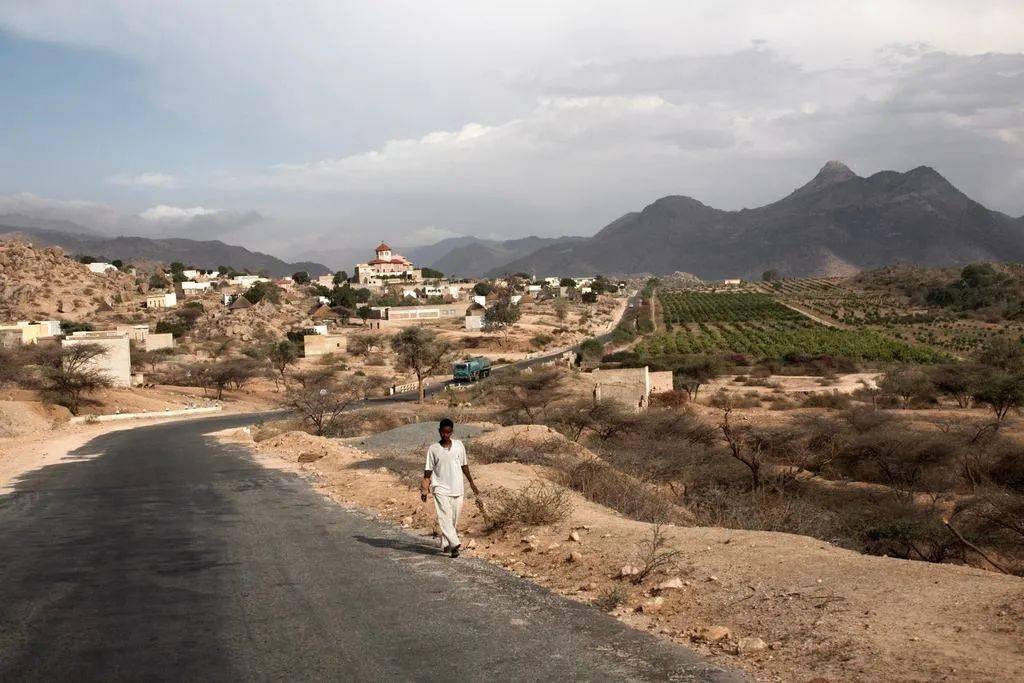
[321, 127]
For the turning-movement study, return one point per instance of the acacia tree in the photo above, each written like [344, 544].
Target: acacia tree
[526, 395]
[282, 355]
[1002, 392]
[71, 372]
[321, 402]
[421, 352]
[561, 307]
[694, 371]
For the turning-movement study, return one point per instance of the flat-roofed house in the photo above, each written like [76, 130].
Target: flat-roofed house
[162, 300]
[100, 267]
[115, 362]
[323, 344]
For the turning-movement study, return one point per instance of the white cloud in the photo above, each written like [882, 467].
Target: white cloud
[163, 212]
[148, 180]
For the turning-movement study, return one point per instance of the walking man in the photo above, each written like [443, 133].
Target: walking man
[442, 477]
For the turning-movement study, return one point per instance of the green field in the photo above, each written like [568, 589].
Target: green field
[758, 326]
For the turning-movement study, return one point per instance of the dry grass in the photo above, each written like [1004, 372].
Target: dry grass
[536, 504]
[605, 485]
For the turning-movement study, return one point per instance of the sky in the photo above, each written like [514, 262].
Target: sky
[316, 127]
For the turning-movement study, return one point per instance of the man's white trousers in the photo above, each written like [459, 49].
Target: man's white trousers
[448, 510]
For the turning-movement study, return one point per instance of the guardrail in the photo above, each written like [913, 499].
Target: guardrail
[80, 419]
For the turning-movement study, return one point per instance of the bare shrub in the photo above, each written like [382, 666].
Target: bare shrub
[538, 503]
[320, 406]
[605, 485]
[653, 554]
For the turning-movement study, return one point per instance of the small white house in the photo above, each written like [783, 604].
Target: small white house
[247, 280]
[189, 288]
[408, 293]
[190, 273]
[478, 299]
[162, 300]
[552, 281]
[99, 267]
[319, 329]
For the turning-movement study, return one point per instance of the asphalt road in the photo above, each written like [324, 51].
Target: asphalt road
[157, 554]
[434, 388]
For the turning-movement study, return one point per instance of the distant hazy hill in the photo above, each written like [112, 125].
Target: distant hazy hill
[473, 257]
[835, 224]
[202, 254]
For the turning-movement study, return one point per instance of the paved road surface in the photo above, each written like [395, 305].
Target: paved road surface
[157, 554]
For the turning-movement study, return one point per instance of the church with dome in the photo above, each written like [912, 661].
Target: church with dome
[387, 267]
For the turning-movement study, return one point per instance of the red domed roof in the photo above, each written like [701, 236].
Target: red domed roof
[382, 247]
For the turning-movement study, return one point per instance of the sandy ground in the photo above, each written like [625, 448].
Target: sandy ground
[796, 608]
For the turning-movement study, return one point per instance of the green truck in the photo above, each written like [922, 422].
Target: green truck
[471, 370]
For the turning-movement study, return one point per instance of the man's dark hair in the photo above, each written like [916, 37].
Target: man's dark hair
[446, 422]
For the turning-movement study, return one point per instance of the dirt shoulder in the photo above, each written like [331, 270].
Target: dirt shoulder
[795, 608]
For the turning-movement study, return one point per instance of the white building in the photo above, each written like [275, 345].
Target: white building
[162, 300]
[99, 267]
[386, 266]
[247, 280]
[115, 362]
[190, 288]
[190, 273]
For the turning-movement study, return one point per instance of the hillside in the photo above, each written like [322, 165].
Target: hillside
[44, 283]
[202, 254]
[836, 224]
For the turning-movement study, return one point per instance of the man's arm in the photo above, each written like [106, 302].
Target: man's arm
[469, 478]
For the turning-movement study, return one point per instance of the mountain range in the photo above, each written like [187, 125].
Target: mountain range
[206, 254]
[836, 224]
[474, 257]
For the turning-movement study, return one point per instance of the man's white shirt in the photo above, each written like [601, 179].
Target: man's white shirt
[446, 466]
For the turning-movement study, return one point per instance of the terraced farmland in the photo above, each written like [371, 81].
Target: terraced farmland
[757, 325]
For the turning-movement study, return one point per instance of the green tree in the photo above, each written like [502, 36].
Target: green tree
[300, 277]
[591, 351]
[340, 277]
[432, 274]
[283, 355]
[770, 275]
[118, 263]
[157, 281]
[483, 288]
[264, 290]
[694, 371]
[364, 313]
[566, 282]
[501, 316]
[1001, 391]
[421, 352]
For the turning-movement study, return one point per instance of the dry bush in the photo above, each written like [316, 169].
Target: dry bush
[262, 431]
[545, 452]
[781, 403]
[653, 554]
[371, 421]
[765, 509]
[670, 399]
[607, 486]
[538, 503]
[611, 597]
[833, 400]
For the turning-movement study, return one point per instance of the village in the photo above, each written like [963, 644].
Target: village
[150, 328]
